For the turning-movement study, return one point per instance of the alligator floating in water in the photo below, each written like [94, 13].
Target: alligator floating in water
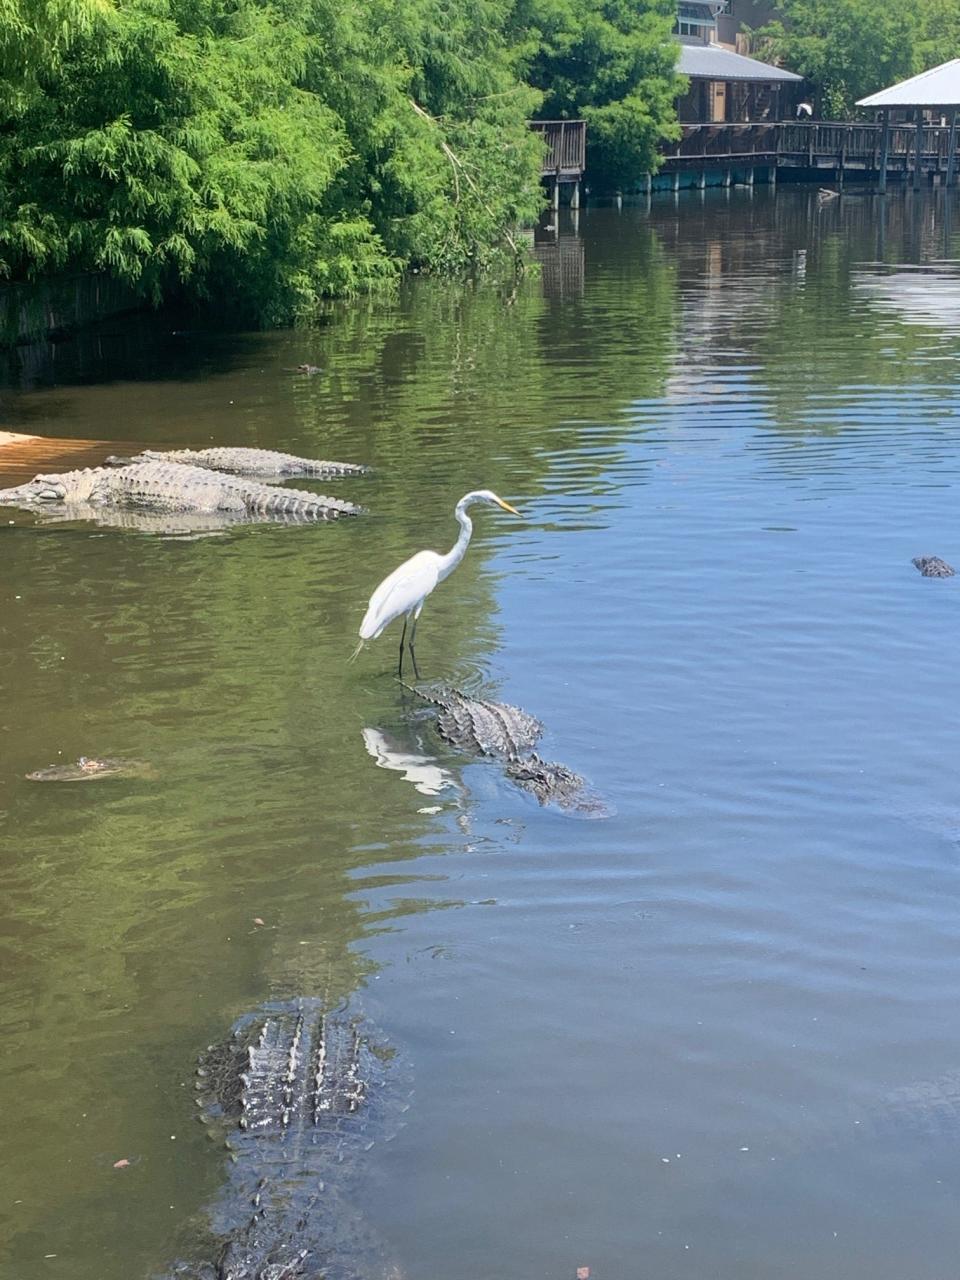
[509, 734]
[933, 567]
[93, 768]
[263, 463]
[167, 486]
[303, 1093]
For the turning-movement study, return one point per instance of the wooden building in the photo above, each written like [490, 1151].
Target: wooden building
[727, 86]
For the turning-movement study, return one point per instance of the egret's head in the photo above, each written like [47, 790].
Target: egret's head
[486, 495]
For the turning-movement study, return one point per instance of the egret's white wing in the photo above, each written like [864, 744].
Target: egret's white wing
[400, 592]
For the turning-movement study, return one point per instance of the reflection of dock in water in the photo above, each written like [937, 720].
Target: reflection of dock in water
[561, 260]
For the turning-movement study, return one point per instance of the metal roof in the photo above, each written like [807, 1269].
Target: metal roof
[712, 62]
[938, 87]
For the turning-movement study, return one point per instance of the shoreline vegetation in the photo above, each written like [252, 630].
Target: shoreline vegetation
[261, 156]
[257, 156]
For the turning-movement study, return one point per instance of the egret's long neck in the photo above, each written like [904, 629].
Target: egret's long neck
[456, 553]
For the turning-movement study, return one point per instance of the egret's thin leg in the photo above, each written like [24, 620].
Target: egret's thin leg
[402, 638]
[413, 636]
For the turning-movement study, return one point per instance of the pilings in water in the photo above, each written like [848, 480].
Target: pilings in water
[884, 151]
[918, 150]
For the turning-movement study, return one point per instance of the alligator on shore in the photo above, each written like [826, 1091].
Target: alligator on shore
[303, 1094]
[262, 463]
[171, 487]
[509, 734]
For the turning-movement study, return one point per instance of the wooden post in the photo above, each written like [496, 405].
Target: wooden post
[555, 195]
[675, 180]
[701, 179]
[952, 148]
[884, 149]
[918, 150]
[647, 184]
[575, 196]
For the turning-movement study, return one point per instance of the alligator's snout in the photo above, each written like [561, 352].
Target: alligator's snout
[39, 489]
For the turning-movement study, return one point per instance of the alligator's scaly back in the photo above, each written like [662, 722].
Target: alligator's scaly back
[172, 487]
[479, 725]
[263, 463]
[302, 1095]
[508, 733]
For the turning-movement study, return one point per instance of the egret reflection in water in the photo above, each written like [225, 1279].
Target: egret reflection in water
[426, 774]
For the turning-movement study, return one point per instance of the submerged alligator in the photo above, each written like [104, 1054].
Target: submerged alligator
[173, 487]
[933, 567]
[93, 768]
[303, 1094]
[263, 463]
[509, 734]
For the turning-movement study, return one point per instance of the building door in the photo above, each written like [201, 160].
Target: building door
[718, 106]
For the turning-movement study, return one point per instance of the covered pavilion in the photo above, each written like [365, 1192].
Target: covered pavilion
[935, 90]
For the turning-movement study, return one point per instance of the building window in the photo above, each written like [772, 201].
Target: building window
[688, 27]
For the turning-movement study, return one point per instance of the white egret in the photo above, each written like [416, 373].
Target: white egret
[405, 590]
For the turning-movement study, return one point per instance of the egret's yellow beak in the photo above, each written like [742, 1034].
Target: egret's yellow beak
[507, 507]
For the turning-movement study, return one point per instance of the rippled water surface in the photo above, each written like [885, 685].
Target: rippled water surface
[713, 1034]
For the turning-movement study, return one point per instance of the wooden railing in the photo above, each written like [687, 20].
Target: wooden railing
[566, 141]
[723, 141]
[822, 144]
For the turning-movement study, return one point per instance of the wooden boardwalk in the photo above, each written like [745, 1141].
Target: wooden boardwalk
[566, 155]
[839, 147]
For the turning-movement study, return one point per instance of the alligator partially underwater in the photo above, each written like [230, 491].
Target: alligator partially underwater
[509, 734]
[933, 567]
[262, 463]
[303, 1094]
[171, 487]
[93, 769]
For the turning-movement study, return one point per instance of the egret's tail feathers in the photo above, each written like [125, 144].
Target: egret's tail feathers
[356, 653]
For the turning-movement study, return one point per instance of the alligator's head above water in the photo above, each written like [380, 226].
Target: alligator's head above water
[35, 493]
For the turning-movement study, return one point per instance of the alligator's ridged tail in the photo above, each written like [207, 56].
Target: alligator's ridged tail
[243, 461]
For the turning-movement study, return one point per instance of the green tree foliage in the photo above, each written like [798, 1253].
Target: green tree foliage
[851, 48]
[611, 62]
[263, 154]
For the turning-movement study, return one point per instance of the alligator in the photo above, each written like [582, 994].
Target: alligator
[90, 768]
[262, 463]
[302, 1094]
[933, 567]
[162, 486]
[508, 733]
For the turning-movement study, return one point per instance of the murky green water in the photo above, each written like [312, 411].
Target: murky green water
[715, 1034]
